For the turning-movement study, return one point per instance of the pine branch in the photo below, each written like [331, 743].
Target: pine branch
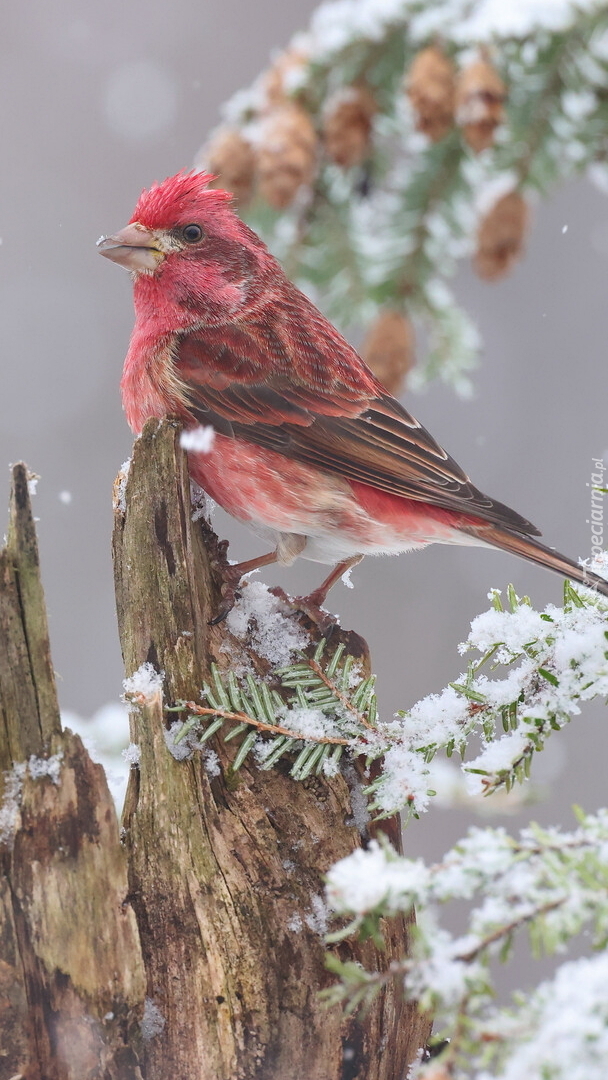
[383, 224]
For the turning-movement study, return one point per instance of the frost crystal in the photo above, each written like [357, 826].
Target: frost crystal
[132, 755]
[153, 1021]
[51, 767]
[144, 684]
[212, 763]
[9, 810]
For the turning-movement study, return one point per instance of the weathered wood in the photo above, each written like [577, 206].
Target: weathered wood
[226, 872]
[71, 975]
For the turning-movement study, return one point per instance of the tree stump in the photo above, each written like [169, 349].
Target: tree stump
[193, 945]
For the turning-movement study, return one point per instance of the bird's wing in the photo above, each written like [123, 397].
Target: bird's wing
[246, 383]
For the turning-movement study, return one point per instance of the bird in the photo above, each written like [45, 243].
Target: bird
[306, 447]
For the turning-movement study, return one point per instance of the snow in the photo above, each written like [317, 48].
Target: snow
[153, 1021]
[212, 763]
[198, 439]
[358, 801]
[266, 622]
[183, 749]
[316, 919]
[567, 1026]
[65, 497]
[143, 685]
[40, 767]
[362, 881]
[11, 803]
[346, 578]
[310, 723]
[436, 718]
[120, 487]
[512, 630]
[14, 778]
[132, 755]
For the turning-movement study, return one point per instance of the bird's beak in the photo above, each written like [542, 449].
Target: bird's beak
[133, 247]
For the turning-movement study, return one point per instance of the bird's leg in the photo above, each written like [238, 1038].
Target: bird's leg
[288, 548]
[232, 576]
[318, 596]
[312, 603]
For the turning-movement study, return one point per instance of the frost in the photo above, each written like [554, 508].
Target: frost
[38, 768]
[183, 748]
[153, 1021]
[199, 439]
[316, 919]
[132, 754]
[265, 621]
[51, 767]
[212, 763]
[11, 803]
[295, 924]
[120, 487]
[143, 685]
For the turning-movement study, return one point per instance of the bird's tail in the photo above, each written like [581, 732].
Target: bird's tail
[529, 548]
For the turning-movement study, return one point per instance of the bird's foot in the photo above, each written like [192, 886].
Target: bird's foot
[309, 606]
[229, 594]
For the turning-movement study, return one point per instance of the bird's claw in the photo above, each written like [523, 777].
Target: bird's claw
[229, 592]
[322, 619]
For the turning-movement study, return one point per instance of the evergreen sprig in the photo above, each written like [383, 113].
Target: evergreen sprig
[337, 696]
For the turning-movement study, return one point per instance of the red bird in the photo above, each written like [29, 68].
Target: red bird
[309, 449]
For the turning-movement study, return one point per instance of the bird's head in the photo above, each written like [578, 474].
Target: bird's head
[185, 243]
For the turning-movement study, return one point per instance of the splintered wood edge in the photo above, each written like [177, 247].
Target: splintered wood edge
[28, 635]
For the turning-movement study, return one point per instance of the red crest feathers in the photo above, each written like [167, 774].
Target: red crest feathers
[177, 199]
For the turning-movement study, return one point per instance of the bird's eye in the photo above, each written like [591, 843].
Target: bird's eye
[192, 233]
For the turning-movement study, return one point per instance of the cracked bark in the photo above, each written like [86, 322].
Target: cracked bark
[71, 974]
[210, 907]
[226, 872]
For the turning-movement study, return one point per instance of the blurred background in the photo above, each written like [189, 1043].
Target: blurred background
[99, 101]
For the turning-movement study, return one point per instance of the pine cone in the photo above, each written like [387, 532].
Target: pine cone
[275, 82]
[230, 156]
[480, 93]
[429, 85]
[388, 349]
[500, 237]
[286, 155]
[347, 125]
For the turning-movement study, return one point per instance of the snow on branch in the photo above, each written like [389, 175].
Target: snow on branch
[551, 884]
[539, 667]
[395, 137]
